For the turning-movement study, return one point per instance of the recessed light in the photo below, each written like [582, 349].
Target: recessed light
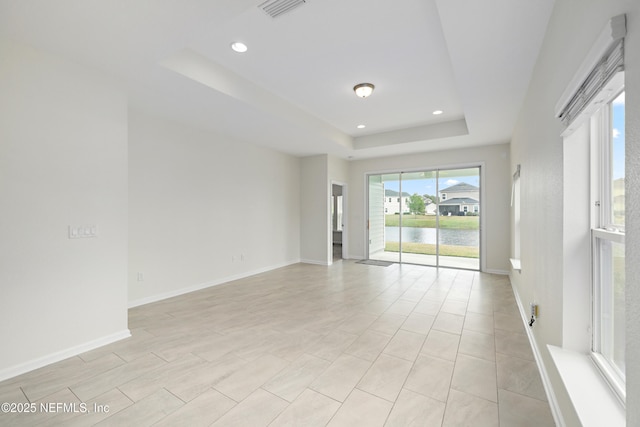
[437, 112]
[361, 126]
[239, 47]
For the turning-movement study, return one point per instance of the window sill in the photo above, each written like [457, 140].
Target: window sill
[595, 403]
[515, 263]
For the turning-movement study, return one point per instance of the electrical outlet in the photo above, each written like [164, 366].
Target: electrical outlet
[83, 231]
[534, 309]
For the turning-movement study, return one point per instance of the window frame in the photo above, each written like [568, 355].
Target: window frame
[603, 230]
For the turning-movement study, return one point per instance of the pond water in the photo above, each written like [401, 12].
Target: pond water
[428, 235]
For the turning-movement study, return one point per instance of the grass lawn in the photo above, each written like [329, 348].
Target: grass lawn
[430, 249]
[429, 221]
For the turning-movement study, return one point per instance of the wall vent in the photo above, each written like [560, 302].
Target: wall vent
[275, 8]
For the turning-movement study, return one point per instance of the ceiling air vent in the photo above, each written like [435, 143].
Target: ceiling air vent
[275, 8]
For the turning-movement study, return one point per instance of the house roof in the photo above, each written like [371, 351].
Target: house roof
[459, 188]
[459, 201]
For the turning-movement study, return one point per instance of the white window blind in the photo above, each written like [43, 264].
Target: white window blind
[606, 69]
[601, 67]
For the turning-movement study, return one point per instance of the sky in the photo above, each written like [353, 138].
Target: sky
[618, 136]
[428, 185]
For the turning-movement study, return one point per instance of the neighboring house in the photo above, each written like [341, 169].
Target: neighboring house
[458, 198]
[429, 207]
[393, 202]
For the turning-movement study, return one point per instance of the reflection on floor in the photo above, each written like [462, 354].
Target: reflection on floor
[344, 345]
[337, 252]
[445, 261]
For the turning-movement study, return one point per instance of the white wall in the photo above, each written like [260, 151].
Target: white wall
[205, 209]
[314, 209]
[337, 169]
[63, 161]
[317, 175]
[537, 146]
[495, 205]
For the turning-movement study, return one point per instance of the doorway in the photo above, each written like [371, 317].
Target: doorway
[426, 217]
[338, 193]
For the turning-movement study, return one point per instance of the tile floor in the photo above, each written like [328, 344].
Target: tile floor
[346, 345]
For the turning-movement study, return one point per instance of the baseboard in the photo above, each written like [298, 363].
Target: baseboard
[200, 286]
[544, 376]
[31, 365]
[315, 262]
[494, 271]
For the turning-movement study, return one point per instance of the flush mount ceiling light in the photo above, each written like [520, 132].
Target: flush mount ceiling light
[363, 89]
[361, 126]
[437, 112]
[239, 47]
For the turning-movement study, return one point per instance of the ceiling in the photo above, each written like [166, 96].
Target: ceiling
[293, 89]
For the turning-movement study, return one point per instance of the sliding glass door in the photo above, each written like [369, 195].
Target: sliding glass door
[429, 217]
[384, 201]
[459, 218]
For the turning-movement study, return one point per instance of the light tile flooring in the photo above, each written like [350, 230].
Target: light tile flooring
[305, 345]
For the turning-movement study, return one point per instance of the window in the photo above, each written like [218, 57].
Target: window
[444, 196]
[592, 111]
[389, 199]
[608, 243]
[515, 205]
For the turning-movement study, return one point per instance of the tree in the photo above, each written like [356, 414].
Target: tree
[416, 204]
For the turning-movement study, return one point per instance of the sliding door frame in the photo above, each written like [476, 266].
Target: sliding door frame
[453, 166]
